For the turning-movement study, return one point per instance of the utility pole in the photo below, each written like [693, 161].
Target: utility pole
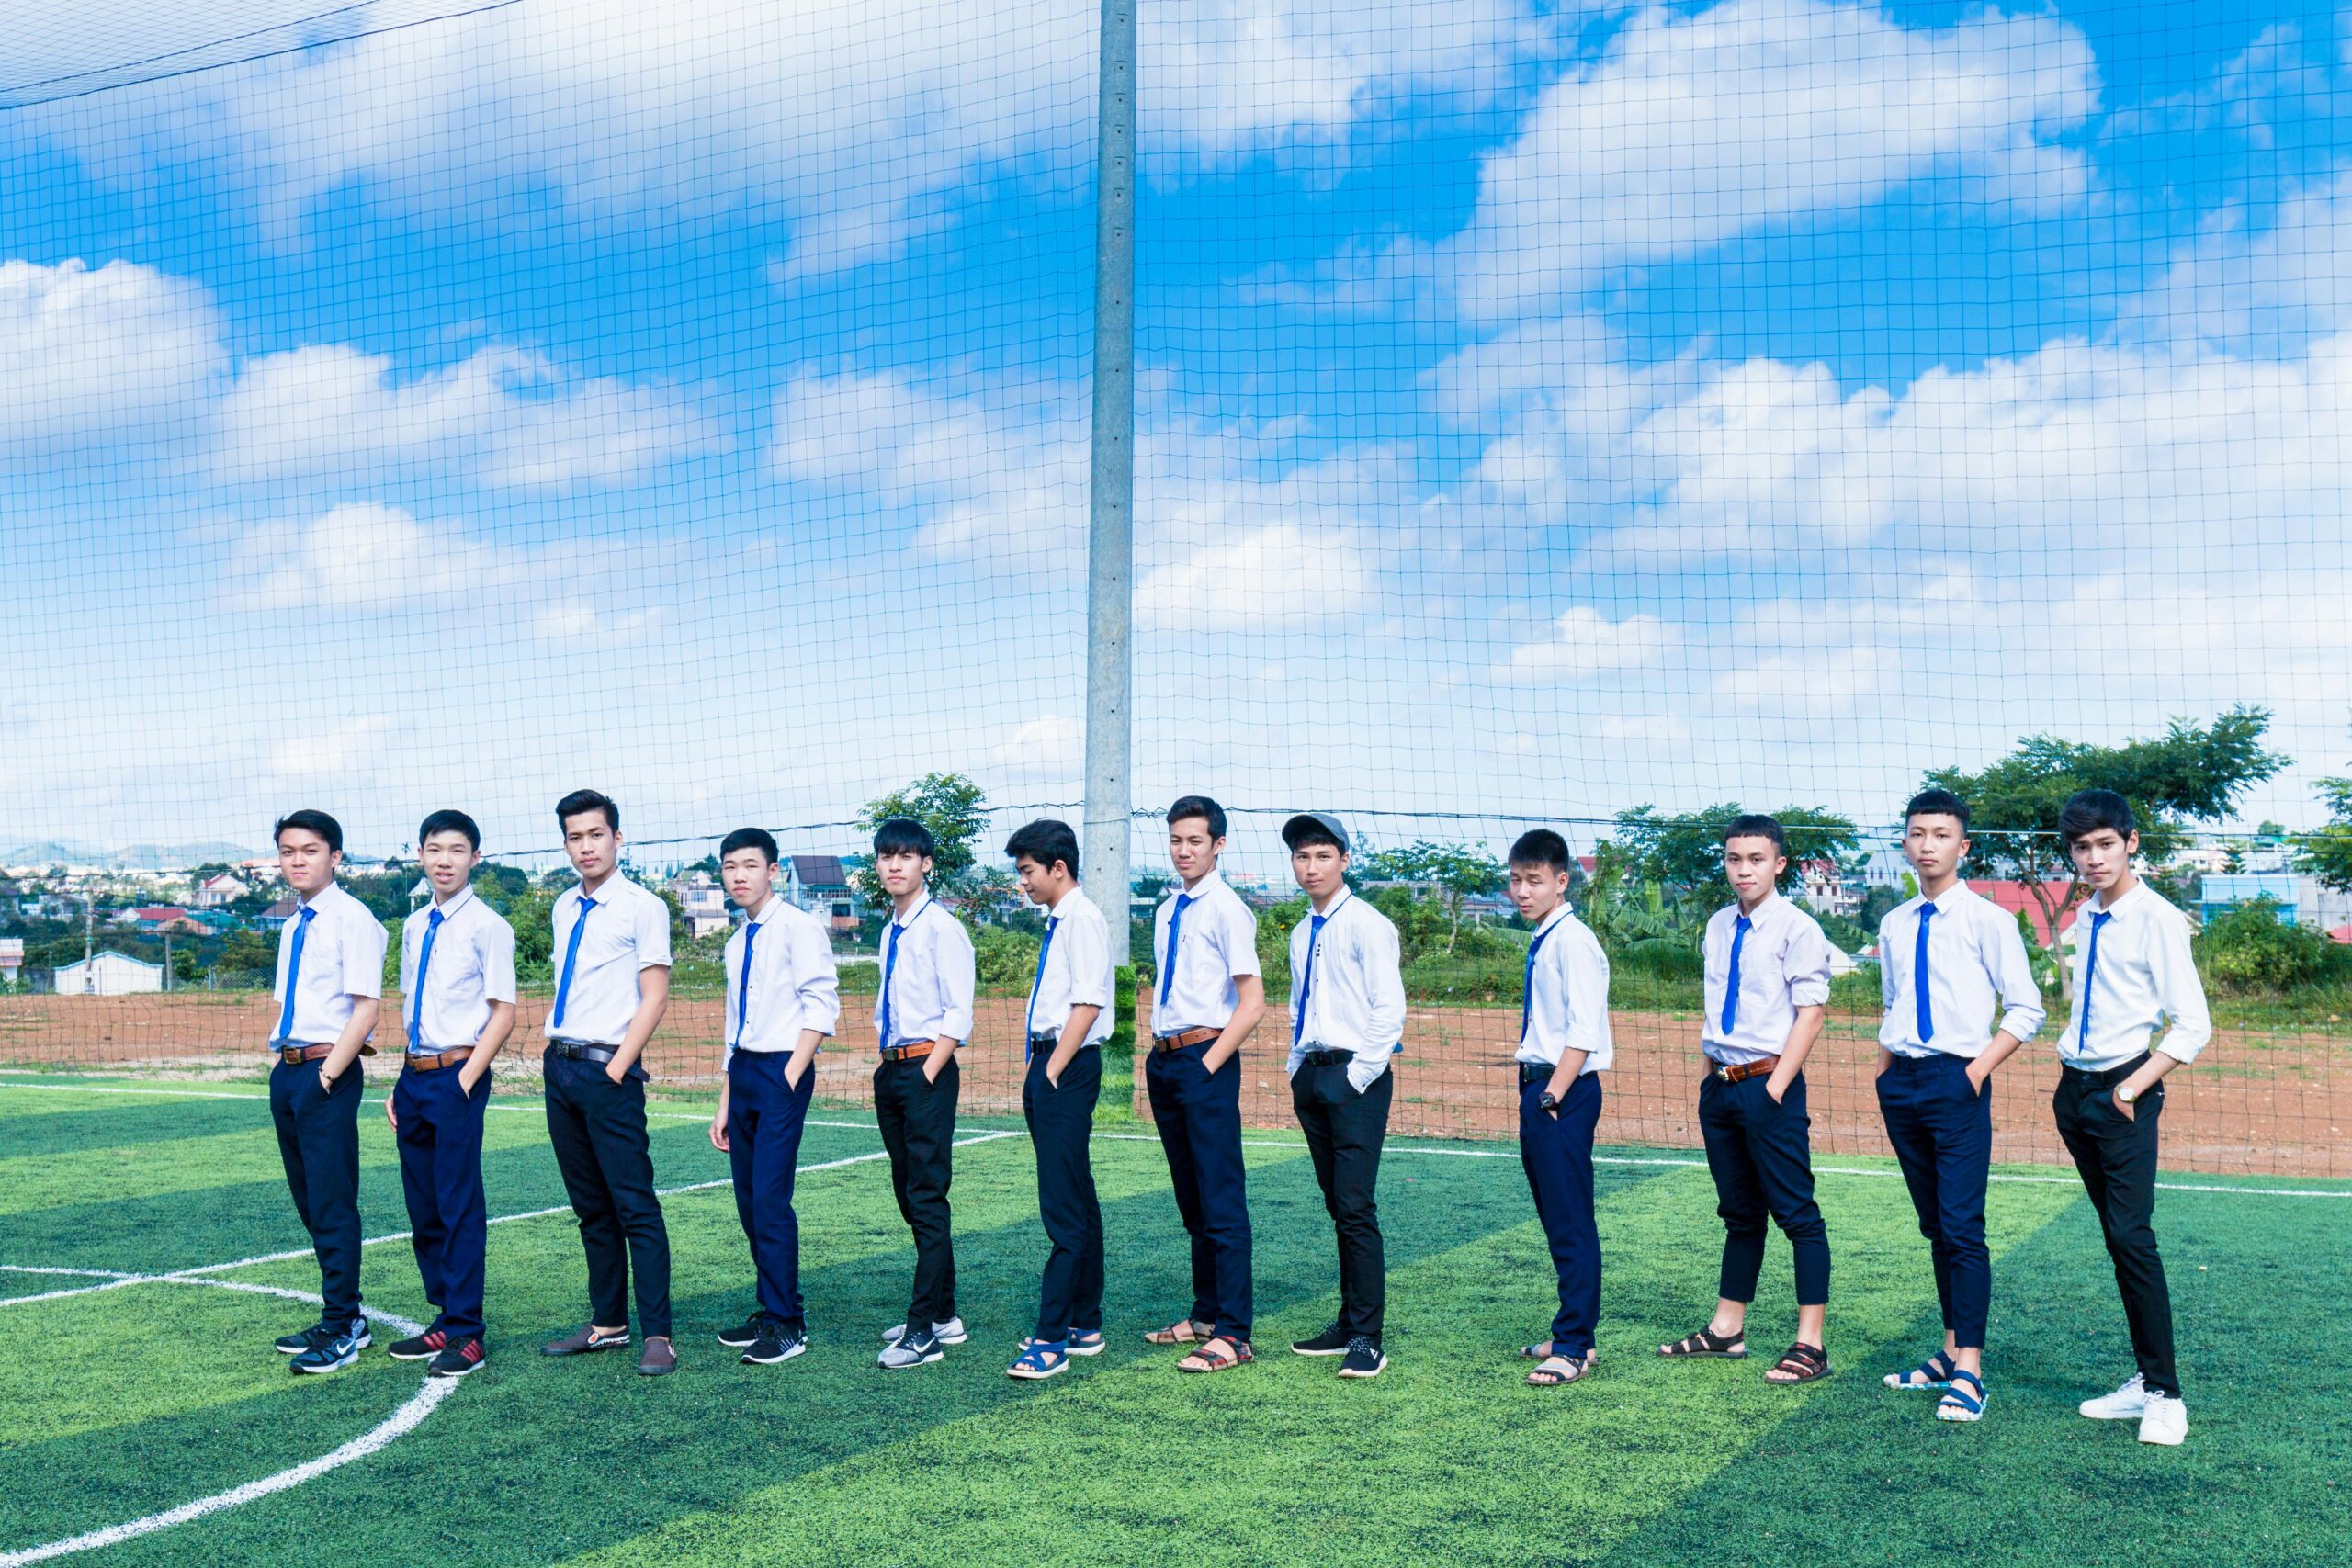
[89, 931]
[1110, 534]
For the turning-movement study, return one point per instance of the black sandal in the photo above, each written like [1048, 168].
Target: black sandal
[1706, 1342]
[1806, 1361]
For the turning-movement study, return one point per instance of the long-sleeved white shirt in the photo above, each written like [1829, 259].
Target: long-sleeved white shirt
[1976, 965]
[1567, 1003]
[794, 984]
[1783, 965]
[471, 965]
[343, 957]
[928, 976]
[1074, 970]
[1216, 944]
[625, 930]
[1354, 998]
[2134, 973]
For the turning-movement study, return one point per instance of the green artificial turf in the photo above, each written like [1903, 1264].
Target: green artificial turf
[125, 1401]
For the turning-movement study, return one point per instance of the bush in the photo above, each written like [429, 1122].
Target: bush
[2251, 949]
[1007, 960]
[1662, 958]
[1857, 990]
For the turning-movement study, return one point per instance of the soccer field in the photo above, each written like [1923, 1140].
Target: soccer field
[136, 1398]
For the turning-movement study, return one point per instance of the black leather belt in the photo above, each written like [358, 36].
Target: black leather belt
[1320, 1056]
[580, 1050]
[1534, 1072]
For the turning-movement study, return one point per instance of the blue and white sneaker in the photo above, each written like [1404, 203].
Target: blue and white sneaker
[914, 1350]
[332, 1355]
[316, 1334]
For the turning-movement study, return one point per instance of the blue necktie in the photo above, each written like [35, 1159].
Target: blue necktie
[1168, 967]
[889, 967]
[294, 973]
[2091, 974]
[744, 985]
[1029, 1024]
[424, 962]
[1920, 978]
[1306, 981]
[1527, 981]
[1730, 993]
[570, 956]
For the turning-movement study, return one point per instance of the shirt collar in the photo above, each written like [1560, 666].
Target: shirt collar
[767, 910]
[1944, 901]
[1554, 917]
[1061, 907]
[1763, 910]
[2124, 905]
[449, 910]
[911, 916]
[1346, 895]
[1209, 883]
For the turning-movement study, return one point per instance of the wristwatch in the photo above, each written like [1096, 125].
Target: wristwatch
[1550, 1101]
[2126, 1095]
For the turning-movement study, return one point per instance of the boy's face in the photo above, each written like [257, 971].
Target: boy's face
[450, 861]
[2102, 858]
[1934, 842]
[1753, 866]
[901, 872]
[1039, 883]
[594, 844]
[1537, 889]
[747, 874]
[1190, 848]
[305, 862]
[1321, 869]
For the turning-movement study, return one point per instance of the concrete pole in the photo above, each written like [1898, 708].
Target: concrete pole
[1109, 534]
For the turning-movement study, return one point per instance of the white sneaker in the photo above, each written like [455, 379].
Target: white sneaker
[2166, 1421]
[2126, 1403]
[952, 1332]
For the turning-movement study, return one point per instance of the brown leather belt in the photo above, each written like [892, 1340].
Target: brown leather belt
[912, 1051]
[434, 1061]
[1746, 1070]
[1189, 1037]
[295, 1055]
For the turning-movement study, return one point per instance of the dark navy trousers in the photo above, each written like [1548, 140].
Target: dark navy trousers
[1761, 1156]
[1557, 1155]
[1942, 1131]
[601, 1147]
[1061, 1128]
[765, 1117]
[1198, 1114]
[318, 1139]
[1345, 1128]
[440, 1143]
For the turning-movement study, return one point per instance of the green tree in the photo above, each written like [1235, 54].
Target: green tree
[955, 810]
[1684, 855]
[1456, 872]
[2328, 853]
[2249, 948]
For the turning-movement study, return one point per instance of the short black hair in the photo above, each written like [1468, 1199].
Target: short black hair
[1200, 805]
[2088, 810]
[582, 801]
[1540, 846]
[1756, 825]
[758, 839]
[1046, 841]
[311, 821]
[905, 836]
[449, 822]
[1937, 802]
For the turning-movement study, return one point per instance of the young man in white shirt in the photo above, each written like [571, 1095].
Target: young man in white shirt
[330, 980]
[1208, 999]
[783, 999]
[1766, 988]
[1948, 962]
[1564, 1046]
[924, 1013]
[457, 975]
[2134, 975]
[612, 961]
[1347, 1003]
[1068, 1018]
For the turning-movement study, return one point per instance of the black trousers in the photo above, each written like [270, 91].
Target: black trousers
[1199, 1117]
[318, 1139]
[917, 1120]
[1061, 1131]
[598, 1129]
[448, 1218]
[2117, 1156]
[765, 1117]
[1943, 1132]
[1345, 1127]
[1761, 1156]
[1556, 1153]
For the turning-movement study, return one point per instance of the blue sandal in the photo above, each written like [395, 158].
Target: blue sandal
[1039, 1360]
[1958, 1403]
[1936, 1372]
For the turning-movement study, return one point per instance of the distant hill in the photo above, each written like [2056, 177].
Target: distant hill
[138, 857]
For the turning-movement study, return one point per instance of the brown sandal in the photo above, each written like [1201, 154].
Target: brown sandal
[1706, 1342]
[1805, 1361]
[1558, 1372]
[1188, 1332]
[1217, 1354]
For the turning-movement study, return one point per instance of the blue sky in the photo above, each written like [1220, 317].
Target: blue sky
[1543, 411]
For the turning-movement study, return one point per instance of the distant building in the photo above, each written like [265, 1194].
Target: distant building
[2217, 895]
[12, 957]
[701, 900]
[1884, 868]
[2205, 858]
[155, 918]
[108, 974]
[2018, 897]
[216, 891]
[278, 914]
[819, 884]
[1825, 889]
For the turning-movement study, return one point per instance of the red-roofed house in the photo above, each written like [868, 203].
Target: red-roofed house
[155, 917]
[2017, 896]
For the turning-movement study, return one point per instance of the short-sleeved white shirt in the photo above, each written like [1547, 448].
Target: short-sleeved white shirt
[1217, 943]
[343, 957]
[1783, 965]
[472, 966]
[629, 930]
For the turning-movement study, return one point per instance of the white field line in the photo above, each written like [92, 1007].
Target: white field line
[264, 1099]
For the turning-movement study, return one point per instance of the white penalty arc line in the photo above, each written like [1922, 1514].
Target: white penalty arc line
[399, 1424]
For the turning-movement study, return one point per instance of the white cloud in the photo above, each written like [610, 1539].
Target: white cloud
[1273, 577]
[1044, 747]
[2253, 285]
[362, 555]
[124, 354]
[1584, 643]
[334, 755]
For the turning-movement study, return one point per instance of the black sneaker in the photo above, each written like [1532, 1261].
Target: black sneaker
[749, 1334]
[1364, 1359]
[456, 1361]
[301, 1339]
[423, 1348]
[914, 1350]
[335, 1351]
[779, 1341]
[1332, 1341]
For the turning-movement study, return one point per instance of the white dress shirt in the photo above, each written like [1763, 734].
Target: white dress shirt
[1783, 965]
[472, 966]
[794, 983]
[928, 976]
[1976, 965]
[1217, 943]
[343, 957]
[2144, 978]
[1075, 970]
[1567, 1005]
[1355, 999]
[628, 930]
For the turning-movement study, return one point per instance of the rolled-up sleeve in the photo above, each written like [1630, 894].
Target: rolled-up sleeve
[1090, 964]
[1584, 971]
[1805, 963]
[819, 978]
[361, 957]
[1383, 984]
[2179, 992]
[497, 952]
[653, 932]
[953, 962]
[1885, 969]
[2022, 1012]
